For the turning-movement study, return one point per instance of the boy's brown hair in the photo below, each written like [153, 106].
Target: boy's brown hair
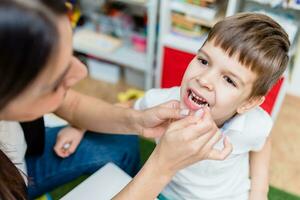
[260, 43]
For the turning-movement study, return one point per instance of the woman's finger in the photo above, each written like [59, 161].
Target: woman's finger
[185, 122]
[170, 110]
[216, 154]
[204, 124]
[173, 104]
[196, 131]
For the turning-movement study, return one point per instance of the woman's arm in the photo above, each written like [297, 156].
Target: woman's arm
[96, 115]
[185, 142]
[259, 172]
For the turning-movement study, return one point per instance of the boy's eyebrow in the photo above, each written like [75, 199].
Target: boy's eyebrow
[203, 53]
[237, 77]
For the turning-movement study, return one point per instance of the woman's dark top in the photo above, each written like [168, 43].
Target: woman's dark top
[34, 133]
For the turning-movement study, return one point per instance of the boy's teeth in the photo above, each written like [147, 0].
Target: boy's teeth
[198, 100]
[197, 97]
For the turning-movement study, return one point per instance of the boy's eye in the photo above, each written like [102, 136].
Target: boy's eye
[203, 61]
[230, 81]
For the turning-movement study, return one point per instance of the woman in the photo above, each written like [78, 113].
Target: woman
[36, 71]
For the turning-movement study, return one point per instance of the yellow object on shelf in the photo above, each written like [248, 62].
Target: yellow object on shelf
[130, 94]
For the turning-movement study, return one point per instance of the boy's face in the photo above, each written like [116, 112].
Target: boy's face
[219, 81]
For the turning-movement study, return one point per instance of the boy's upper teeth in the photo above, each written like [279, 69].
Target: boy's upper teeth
[197, 97]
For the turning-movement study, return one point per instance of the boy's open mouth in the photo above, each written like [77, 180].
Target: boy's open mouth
[197, 99]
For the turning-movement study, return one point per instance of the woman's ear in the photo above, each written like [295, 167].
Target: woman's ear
[251, 103]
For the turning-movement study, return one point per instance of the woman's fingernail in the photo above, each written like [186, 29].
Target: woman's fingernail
[199, 113]
[184, 112]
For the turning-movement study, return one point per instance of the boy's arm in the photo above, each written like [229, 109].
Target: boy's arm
[259, 172]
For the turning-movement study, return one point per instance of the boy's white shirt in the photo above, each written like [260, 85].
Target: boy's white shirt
[210, 179]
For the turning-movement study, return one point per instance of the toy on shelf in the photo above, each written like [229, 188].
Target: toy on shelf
[74, 13]
[184, 26]
[87, 39]
[139, 42]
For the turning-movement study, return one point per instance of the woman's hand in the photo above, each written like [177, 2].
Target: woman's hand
[185, 142]
[153, 122]
[189, 140]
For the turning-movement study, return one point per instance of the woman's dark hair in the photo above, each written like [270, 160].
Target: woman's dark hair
[28, 38]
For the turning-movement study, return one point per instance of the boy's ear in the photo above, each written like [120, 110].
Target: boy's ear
[251, 103]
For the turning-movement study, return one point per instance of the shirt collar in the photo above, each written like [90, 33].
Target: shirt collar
[235, 124]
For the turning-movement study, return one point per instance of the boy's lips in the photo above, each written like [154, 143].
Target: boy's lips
[193, 100]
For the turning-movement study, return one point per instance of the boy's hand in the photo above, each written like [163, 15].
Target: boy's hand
[67, 141]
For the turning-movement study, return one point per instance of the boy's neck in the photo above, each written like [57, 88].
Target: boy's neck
[221, 124]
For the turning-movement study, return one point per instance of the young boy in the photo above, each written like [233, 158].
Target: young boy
[243, 56]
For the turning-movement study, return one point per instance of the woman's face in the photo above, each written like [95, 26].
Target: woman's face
[47, 92]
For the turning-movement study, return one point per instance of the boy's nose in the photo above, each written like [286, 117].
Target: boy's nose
[205, 81]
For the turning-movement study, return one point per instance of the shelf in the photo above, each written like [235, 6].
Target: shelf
[291, 5]
[183, 43]
[123, 55]
[208, 14]
[203, 22]
[294, 6]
